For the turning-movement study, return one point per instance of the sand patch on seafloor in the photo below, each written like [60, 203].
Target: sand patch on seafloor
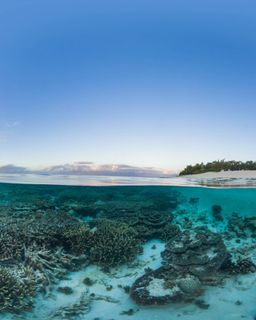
[234, 301]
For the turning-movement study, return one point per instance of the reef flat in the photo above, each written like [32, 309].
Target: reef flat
[127, 252]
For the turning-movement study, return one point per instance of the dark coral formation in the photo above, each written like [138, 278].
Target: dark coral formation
[75, 239]
[191, 260]
[154, 225]
[242, 227]
[149, 223]
[37, 249]
[17, 289]
[47, 229]
[113, 243]
[199, 252]
[165, 285]
[241, 266]
[216, 212]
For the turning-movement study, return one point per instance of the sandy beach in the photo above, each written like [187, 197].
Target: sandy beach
[242, 178]
[241, 174]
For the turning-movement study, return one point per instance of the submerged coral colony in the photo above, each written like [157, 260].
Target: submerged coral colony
[46, 233]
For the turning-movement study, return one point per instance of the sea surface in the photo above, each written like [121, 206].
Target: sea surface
[126, 251]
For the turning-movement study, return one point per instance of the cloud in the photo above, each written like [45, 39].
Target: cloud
[12, 124]
[85, 168]
[10, 168]
[90, 168]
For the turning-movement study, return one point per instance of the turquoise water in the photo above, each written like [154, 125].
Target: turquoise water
[122, 252]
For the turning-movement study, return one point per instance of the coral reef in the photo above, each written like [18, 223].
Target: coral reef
[149, 223]
[242, 227]
[45, 229]
[38, 243]
[43, 235]
[165, 285]
[154, 225]
[113, 243]
[17, 288]
[49, 266]
[75, 240]
[199, 252]
[241, 266]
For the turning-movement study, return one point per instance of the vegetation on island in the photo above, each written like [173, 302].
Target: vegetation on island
[219, 165]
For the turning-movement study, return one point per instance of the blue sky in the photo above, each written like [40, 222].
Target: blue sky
[142, 83]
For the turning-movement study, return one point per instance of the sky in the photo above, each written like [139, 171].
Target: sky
[158, 84]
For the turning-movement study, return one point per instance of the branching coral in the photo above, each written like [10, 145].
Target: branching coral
[49, 266]
[11, 249]
[17, 288]
[113, 243]
[48, 229]
[43, 229]
[75, 240]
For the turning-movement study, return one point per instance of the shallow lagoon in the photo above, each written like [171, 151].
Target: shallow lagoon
[150, 217]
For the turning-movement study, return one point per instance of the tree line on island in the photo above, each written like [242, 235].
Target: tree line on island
[219, 165]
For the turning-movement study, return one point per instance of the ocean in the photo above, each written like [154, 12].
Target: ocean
[122, 248]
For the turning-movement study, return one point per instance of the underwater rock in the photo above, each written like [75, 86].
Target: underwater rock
[89, 282]
[165, 285]
[202, 304]
[216, 212]
[199, 252]
[113, 243]
[65, 290]
[17, 289]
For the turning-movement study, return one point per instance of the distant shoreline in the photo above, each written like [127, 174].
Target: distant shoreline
[224, 179]
[238, 174]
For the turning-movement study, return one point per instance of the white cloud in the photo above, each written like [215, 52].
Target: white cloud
[90, 168]
[12, 124]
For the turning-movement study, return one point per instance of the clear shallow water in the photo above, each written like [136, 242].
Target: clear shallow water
[77, 252]
[87, 180]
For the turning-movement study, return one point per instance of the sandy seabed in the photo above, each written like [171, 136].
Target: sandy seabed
[234, 300]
